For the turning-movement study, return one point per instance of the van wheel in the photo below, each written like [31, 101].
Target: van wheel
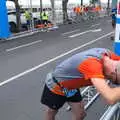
[13, 27]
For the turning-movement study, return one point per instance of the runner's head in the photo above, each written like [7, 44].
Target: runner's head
[117, 71]
[112, 69]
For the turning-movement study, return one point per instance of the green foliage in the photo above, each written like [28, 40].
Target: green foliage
[93, 1]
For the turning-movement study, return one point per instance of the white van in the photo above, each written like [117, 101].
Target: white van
[13, 22]
[12, 16]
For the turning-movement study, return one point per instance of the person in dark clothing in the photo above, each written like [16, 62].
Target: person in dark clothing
[113, 14]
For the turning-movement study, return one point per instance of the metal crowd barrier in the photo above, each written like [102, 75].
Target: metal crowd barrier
[112, 113]
[89, 94]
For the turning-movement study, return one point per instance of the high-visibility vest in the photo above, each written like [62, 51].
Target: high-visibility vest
[27, 15]
[44, 16]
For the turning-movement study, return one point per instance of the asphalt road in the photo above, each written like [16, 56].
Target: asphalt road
[25, 61]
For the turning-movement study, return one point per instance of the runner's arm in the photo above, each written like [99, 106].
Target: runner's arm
[111, 95]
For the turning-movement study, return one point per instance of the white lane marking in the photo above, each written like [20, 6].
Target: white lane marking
[51, 60]
[22, 35]
[70, 32]
[95, 25]
[78, 29]
[97, 30]
[25, 45]
[78, 34]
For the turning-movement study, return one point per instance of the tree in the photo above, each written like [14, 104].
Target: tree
[64, 9]
[53, 11]
[64, 6]
[17, 7]
[93, 1]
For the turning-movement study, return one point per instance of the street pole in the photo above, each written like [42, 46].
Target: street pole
[32, 21]
[41, 8]
[81, 2]
[108, 7]
[53, 12]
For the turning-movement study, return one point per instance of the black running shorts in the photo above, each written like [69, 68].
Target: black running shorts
[55, 101]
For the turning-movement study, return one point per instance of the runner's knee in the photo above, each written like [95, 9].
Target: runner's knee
[51, 112]
[80, 116]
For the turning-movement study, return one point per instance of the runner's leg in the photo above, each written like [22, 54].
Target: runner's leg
[50, 114]
[53, 103]
[78, 112]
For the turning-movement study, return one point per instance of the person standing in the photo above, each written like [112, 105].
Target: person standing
[28, 17]
[44, 17]
[113, 14]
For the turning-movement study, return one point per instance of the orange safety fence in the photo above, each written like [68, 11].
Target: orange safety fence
[44, 26]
